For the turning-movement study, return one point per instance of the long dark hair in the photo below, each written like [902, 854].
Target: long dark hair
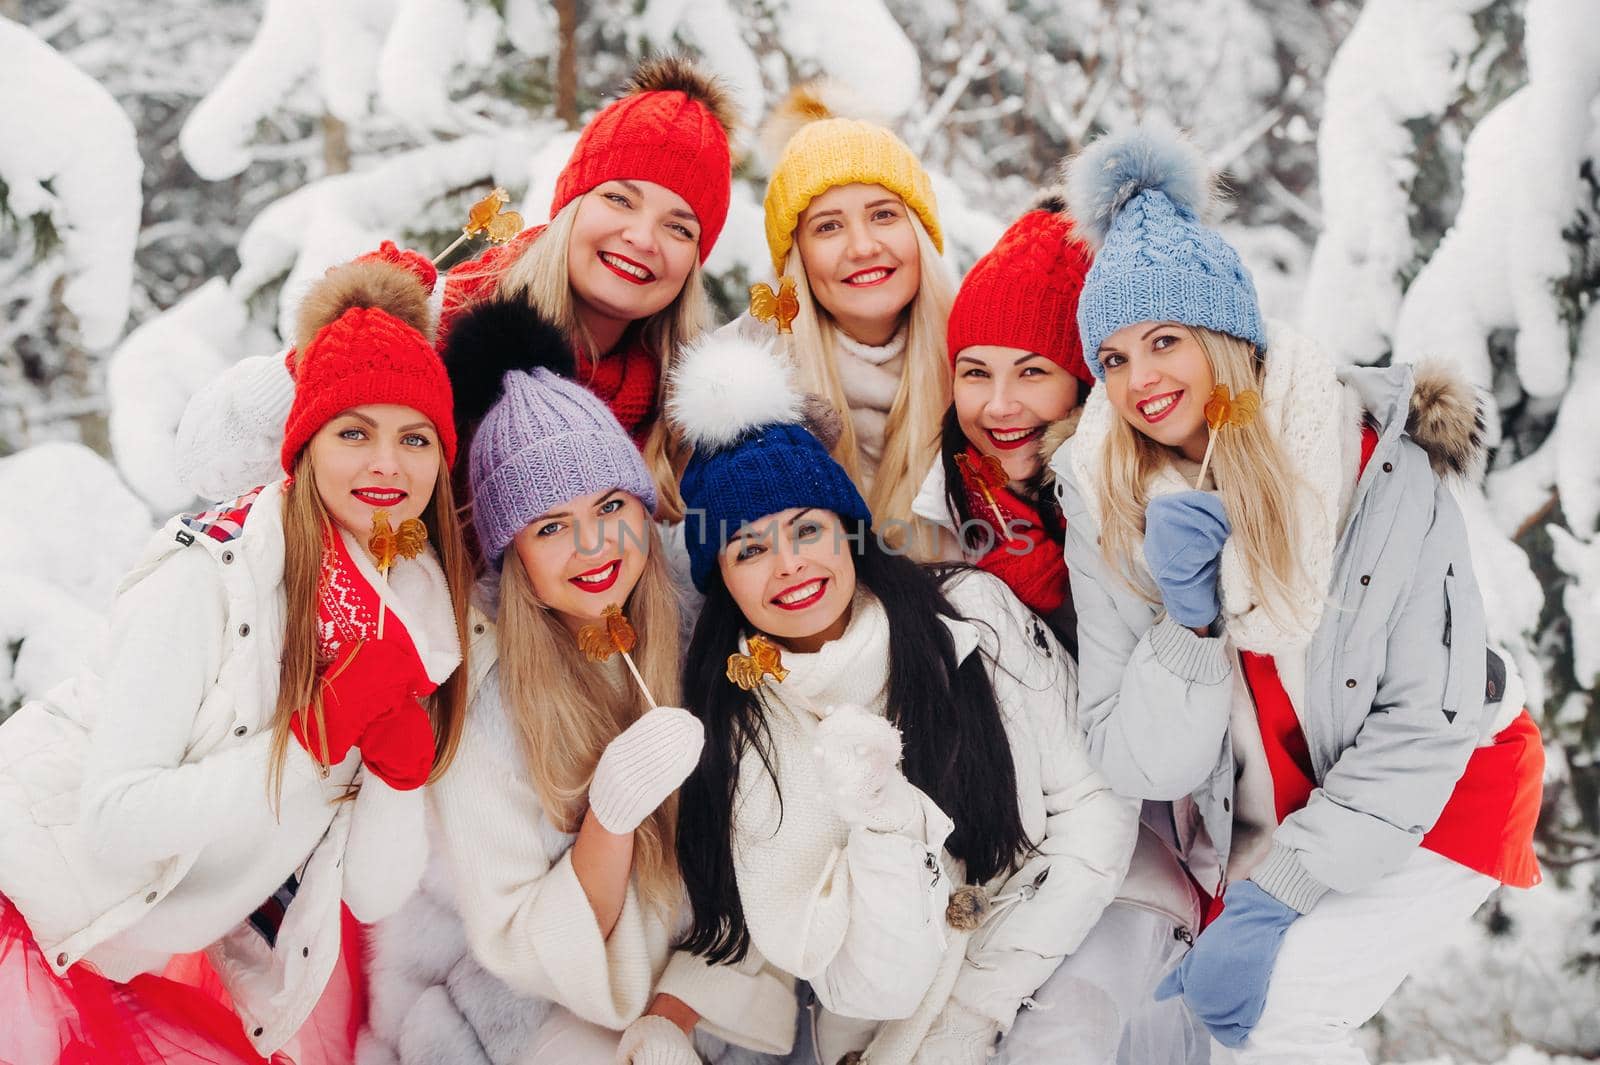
[955, 745]
[953, 442]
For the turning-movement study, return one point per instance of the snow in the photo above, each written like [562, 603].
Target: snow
[707, 25]
[1401, 61]
[857, 43]
[70, 154]
[1580, 561]
[154, 373]
[422, 48]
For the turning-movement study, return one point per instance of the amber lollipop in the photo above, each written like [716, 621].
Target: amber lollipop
[1226, 411]
[387, 544]
[988, 476]
[779, 307]
[489, 219]
[749, 671]
[613, 634]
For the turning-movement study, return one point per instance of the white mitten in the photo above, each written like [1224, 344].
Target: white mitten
[653, 1040]
[858, 758]
[644, 765]
[958, 1037]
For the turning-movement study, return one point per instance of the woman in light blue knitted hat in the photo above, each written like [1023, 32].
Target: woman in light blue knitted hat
[1287, 640]
[554, 912]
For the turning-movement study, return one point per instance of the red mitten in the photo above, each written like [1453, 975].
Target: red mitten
[368, 679]
[398, 746]
[417, 264]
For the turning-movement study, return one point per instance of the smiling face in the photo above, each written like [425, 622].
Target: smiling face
[792, 576]
[1158, 379]
[586, 555]
[1005, 398]
[860, 255]
[632, 247]
[380, 456]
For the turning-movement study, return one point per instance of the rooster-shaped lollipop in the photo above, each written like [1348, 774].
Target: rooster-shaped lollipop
[388, 544]
[613, 634]
[1226, 411]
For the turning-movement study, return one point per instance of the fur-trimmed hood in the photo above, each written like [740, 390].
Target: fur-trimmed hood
[1444, 414]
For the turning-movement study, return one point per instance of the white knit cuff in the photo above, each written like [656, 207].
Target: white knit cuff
[644, 765]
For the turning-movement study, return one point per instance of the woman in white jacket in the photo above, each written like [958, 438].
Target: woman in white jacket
[247, 755]
[551, 919]
[807, 851]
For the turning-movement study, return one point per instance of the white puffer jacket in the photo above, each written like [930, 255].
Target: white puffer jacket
[135, 818]
[807, 880]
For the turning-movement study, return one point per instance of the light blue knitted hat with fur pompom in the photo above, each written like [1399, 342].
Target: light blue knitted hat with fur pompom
[1139, 195]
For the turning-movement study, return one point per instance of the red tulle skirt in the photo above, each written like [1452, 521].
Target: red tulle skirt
[182, 1015]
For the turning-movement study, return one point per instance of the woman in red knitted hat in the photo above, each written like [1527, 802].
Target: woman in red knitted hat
[278, 685]
[1019, 383]
[637, 210]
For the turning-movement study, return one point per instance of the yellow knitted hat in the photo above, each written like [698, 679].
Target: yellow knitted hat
[824, 151]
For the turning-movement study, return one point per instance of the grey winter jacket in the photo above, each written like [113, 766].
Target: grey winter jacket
[1394, 696]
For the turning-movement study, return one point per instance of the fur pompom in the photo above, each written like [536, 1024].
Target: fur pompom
[1105, 176]
[386, 286]
[724, 386]
[967, 908]
[1446, 419]
[808, 102]
[489, 340]
[822, 419]
[1052, 199]
[676, 73]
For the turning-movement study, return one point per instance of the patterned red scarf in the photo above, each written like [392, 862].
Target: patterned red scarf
[1029, 561]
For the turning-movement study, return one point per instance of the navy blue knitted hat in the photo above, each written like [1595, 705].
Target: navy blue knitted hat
[1139, 195]
[736, 404]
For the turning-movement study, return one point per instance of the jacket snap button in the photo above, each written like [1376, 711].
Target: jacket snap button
[305, 952]
[1227, 804]
[1388, 467]
[150, 897]
[244, 630]
[478, 629]
[61, 960]
[227, 558]
[1366, 581]
[257, 1032]
[1351, 683]
[240, 731]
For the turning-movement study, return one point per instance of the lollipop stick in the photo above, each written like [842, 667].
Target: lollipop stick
[380, 608]
[651, 699]
[437, 259]
[1205, 462]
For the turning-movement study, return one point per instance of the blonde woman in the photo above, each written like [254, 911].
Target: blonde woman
[1291, 650]
[249, 755]
[636, 211]
[540, 937]
[852, 223]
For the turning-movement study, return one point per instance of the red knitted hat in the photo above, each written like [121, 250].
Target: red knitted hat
[1024, 293]
[671, 128]
[359, 341]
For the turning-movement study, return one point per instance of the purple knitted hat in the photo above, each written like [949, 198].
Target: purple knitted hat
[547, 442]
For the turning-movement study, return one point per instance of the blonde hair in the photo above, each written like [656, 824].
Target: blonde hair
[911, 435]
[1253, 475]
[540, 276]
[306, 529]
[567, 708]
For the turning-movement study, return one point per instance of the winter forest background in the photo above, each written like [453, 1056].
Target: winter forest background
[1410, 178]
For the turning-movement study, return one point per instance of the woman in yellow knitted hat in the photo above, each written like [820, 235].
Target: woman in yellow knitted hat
[862, 295]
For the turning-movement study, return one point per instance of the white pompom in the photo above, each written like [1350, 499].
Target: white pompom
[1154, 155]
[724, 386]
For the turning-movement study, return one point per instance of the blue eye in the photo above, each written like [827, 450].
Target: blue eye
[611, 506]
[416, 440]
[550, 529]
[352, 433]
[749, 550]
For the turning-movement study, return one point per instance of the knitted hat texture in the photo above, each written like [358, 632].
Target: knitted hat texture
[367, 354]
[736, 404]
[1024, 293]
[671, 128]
[826, 151]
[1142, 193]
[542, 439]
